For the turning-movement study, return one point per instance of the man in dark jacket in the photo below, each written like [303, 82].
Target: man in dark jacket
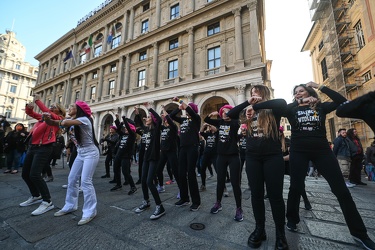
[342, 151]
[111, 140]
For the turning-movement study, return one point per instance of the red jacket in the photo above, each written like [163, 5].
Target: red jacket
[42, 133]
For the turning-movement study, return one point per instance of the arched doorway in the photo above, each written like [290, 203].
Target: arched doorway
[212, 104]
[106, 123]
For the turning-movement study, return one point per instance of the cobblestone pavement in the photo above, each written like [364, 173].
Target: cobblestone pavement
[117, 226]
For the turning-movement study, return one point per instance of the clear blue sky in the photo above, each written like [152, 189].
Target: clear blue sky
[288, 24]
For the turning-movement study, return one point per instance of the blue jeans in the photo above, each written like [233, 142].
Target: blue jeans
[37, 157]
[13, 159]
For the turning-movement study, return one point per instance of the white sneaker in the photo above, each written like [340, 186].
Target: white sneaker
[62, 212]
[64, 186]
[32, 200]
[85, 220]
[350, 185]
[161, 189]
[43, 207]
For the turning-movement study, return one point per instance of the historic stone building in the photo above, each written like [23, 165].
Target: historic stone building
[342, 48]
[125, 53]
[17, 78]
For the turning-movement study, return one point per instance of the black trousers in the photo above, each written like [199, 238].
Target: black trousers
[187, 161]
[169, 158]
[37, 158]
[222, 163]
[108, 160]
[207, 160]
[124, 165]
[328, 166]
[268, 169]
[148, 173]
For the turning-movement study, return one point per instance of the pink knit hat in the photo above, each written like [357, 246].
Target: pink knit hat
[243, 126]
[113, 127]
[227, 106]
[85, 108]
[193, 106]
[132, 127]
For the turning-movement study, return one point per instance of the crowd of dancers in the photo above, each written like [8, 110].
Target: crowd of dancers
[248, 134]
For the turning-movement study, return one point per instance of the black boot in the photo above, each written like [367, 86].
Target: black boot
[256, 237]
[281, 243]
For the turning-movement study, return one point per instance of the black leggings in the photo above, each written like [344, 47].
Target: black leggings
[124, 165]
[326, 163]
[108, 160]
[187, 160]
[267, 169]
[207, 160]
[222, 163]
[148, 173]
[169, 158]
[141, 156]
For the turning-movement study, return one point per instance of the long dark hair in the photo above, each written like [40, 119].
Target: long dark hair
[310, 91]
[350, 134]
[77, 130]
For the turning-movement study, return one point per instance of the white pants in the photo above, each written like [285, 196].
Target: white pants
[83, 167]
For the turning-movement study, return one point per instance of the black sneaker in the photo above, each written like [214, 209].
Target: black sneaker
[112, 181]
[105, 176]
[145, 205]
[181, 203]
[365, 241]
[159, 212]
[291, 226]
[195, 207]
[115, 188]
[132, 191]
[138, 182]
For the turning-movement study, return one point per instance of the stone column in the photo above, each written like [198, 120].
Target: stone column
[58, 65]
[155, 65]
[124, 30]
[106, 46]
[66, 91]
[100, 83]
[39, 77]
[224, 60]
[96, 124]
[255, 56]
[190, 70]
[54, 88]
[192, 5]
[49, 69]
[241, 95]
[44, 96]
[83, 90]
[158, 13]
[239, 61]
[131, 25]
[120, 76]
[126, 84]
